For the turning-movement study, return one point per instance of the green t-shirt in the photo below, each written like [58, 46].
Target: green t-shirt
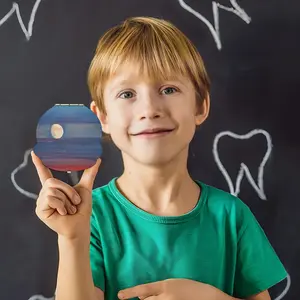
[219, 242]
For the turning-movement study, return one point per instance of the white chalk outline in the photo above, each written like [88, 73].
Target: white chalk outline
[15, 8]
[29, 195]
[215, 29]
[285, 291]
[244, 169]
[72, 175]
[16, 170]
[40, 297]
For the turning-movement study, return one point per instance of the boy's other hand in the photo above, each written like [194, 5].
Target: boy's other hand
[174, 289]
[63, 208]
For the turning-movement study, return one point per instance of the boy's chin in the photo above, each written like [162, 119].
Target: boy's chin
[155, 156]
[154, 159]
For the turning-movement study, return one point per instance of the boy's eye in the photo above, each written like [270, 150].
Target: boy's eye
[129, 94]
[169, 90]
[126, 95]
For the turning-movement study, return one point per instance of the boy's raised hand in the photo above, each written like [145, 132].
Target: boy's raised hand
[63, 208]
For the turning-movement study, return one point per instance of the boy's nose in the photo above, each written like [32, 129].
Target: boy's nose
[150, 108]
[150, 115]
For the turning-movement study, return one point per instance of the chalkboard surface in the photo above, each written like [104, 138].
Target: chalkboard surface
[249, 146]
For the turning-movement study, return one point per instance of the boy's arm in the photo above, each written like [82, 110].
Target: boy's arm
[74, 280]
[261, 296]
[100, 294]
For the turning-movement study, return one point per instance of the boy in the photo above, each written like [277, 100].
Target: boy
[154, 232]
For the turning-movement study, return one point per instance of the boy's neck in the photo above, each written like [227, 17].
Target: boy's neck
[164, 190]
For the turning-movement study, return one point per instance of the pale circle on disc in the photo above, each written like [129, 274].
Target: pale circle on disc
[57, 131]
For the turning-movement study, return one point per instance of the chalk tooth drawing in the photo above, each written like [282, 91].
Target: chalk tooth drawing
[16, 170]
[285, 291]
[16, 9]
[23, 165]
[244, 170]
[40, 297]
[215, 29]
[73, 176]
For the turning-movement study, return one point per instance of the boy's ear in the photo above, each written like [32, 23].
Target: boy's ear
[203, 111]
[101, 116]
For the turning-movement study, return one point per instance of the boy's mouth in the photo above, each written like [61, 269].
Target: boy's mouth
[153, 132]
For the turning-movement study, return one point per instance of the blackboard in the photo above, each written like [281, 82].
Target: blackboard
[249, 145]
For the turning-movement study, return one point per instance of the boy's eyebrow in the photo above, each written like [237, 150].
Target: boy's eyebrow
[119, 83]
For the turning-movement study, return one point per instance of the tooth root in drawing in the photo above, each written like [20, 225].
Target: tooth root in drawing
[244, 170]
[14, 173]
[215, 29]
[16, 9]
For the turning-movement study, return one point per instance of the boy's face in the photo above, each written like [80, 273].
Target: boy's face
[150, 122]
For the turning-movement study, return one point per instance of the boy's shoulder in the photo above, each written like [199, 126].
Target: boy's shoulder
[222, 205]
[220, 198]
[99, 192]
[104, 195]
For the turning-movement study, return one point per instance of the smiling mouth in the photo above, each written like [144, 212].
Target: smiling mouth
[154, 132]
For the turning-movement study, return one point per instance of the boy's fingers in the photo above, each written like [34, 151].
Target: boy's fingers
[62, 197]
[45, 208]
[43, 172]
[56, 185]
[57, 204]
[89, 175]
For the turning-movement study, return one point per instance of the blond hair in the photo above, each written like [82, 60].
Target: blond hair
[156, 46]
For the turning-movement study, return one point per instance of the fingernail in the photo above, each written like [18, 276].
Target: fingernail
[77, 199]
[120, 295]
[73, 209]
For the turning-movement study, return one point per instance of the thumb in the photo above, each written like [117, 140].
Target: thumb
[88, 176]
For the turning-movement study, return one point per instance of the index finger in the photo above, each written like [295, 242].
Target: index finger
[43, 172]
[141, 291]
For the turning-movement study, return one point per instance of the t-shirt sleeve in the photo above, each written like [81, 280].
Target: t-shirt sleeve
[258, 266]
[96, 255]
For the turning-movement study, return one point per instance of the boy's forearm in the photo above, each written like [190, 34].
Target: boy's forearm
[74, 280]
[223, 296]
